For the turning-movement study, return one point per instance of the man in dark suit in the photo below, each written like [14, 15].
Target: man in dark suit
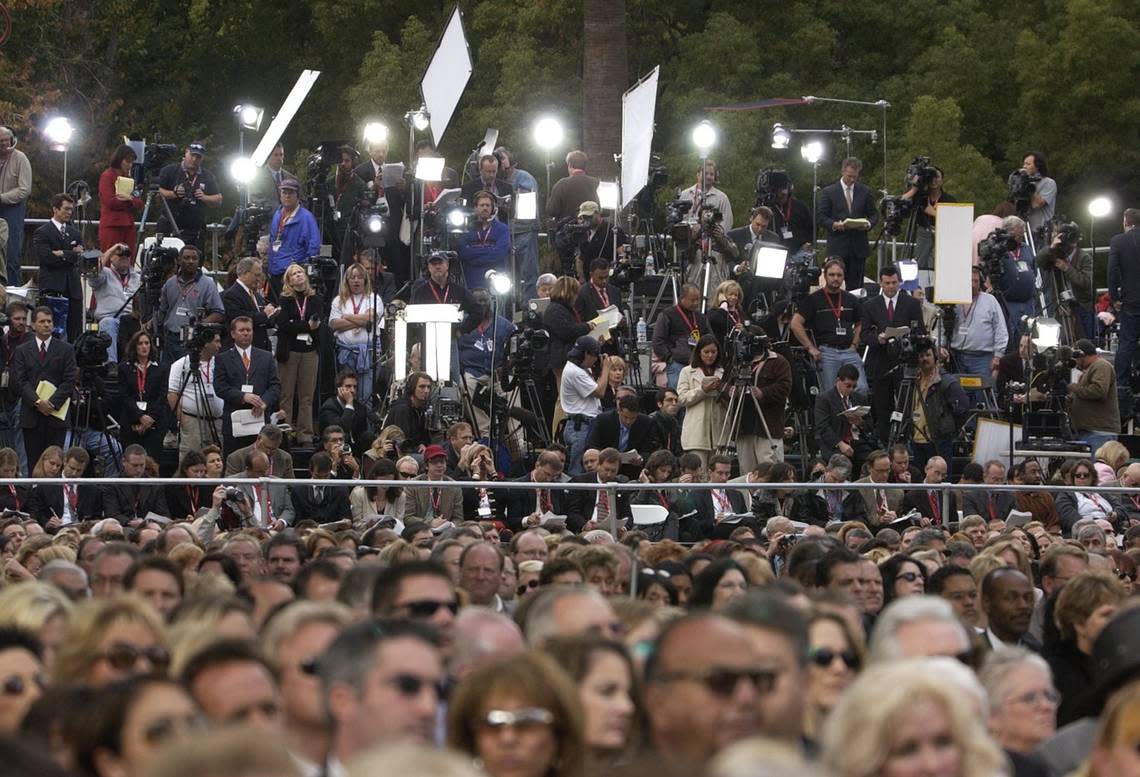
[245, 378]
[626, 429]
[128, 503]
[43, 358]
[755, 231]
[58, 247]
[269, 442]
[1007, 599]
[55, 506]
[837, 432]
[347, 412]
[323, 504]
[586, 510]
[928, 502]
[488, 181]
[1124, 291]
[714, 504]
[842, 200]
[526, 507]
[244, 298]
[599, 292]
[891, 308]
[371, 189]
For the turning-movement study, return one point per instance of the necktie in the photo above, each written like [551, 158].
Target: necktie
[890, 310]
[990, 504]
[245, 360]
[847, 194]
[318, 494]
[603, 504]
[43, 352]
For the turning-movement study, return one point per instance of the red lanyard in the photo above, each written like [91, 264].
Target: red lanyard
[483, 238]
[691, 324]
[434, 293]
[301, 305]
[192, 493]
[205, 370]
[661, 498]
[787, 214]
[436, 496]
[355, 304]
[736, 319]
[605, 298]
[140, 378]
[483, 330]
[836, 309]
[15, 496]
[125, 280]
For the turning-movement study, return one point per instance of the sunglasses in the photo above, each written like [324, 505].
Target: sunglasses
[910, 577]
[824, 657]
[524, 587]
[722, 681]
[426, 608]
[17, 686]
[1123, 575]
[413, 685]
[529, 717]
[123, 656]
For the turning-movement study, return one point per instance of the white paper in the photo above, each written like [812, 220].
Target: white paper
[159, 519]
[607, 319]
[245, 423]
[548, 516]
[647, 515]
[630, 456]
[391, 173]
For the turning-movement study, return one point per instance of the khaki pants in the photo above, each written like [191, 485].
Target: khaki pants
[195, 434]
[752, 449]
[299, 377]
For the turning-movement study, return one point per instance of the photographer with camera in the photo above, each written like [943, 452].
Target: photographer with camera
[791, 217]
[197, 408]
[924, 189]
[294, 235]
[58, 248]
[599, 239]
[188, 297]
[1067, 277]
[841, 209]
[482, 349]
[116, 282]
[1008, 263]
[580, 393]
[938, 409]
[892, 308]
[760, 436]
[827, 325]
[1043, 201]
[1093, 409]
[188, 188]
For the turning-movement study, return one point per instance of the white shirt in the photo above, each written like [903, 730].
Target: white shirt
[43, 345]
[189, 402]
[577, 392]
[356, 305]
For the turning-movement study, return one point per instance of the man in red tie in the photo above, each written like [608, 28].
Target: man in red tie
[929, 502]
[244, 298]
[245, 378]
[44, 370]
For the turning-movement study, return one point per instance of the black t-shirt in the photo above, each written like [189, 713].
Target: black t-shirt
[819, 310]
[187, 211]
[921, 217]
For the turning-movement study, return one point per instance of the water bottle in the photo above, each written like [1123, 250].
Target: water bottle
[642, 331]
[650, 265]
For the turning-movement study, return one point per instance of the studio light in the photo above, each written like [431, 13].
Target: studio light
[457, 220]
[1045, 333]
[420, 120]
[500, 283]
[608, 195]
[704, 137]
[242, 170]
[812, 151]
[1100, 207]
[249, 116]
[769, 260]
[375, 132]
[548, 133]
[781, 137]
[374, 222]
[59, 131]
[429, 168]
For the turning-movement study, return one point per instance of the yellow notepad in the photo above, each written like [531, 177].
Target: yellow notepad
[44, 391]
[124, 186]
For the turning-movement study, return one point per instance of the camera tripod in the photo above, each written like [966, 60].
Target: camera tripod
[903, 409]
[741, 392]
[86, 418]
[193, 377]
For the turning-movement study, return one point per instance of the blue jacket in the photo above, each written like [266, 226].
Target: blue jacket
[300, 241]
[475, 351]
[478, 254]
[1020, 279]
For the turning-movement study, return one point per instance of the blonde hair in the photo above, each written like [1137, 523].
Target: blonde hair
[723, 290]
[1001, 546]
[858, 735]
[90, 621]
[29, 606]
[397, 551]
[49, 452]
[345, 292]
[469, 453]
[1082, 596]
[1113, 453]
[186, 555]
[756, 569]
[287, 290]
[984, 563]
[228, 752]
[295, 616]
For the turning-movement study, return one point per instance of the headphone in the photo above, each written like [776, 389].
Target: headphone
[494, 201]
[11, 134]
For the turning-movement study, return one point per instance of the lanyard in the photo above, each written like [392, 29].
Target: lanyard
[192, 493]
[140, 378]
[284, 221]
[934, 511]
[355, 305]
[601, 292]
[434, 293]
[692, 325]
[125, 280]
[661, 498]
[15, 496]
[837, 308]
[301, 305]
[787, 214]
[483, 238]
[205, 370]
[436, 496]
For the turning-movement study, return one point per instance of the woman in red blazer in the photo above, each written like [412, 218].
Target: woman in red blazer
[117, 212]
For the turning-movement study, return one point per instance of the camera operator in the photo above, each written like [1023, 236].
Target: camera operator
[677, 331]
[980, 335]
[770, 386]
[487, 246]
[848, 199]
[709, 220]
[1065, 266]
[1018, 281]
[244, 298]
[199, 418]
[926, 193]
[524, 233]
[599, 244]
[1093, 409]
[11, 435]
[294, 235]
[188, 188]
[1043, 203]
[939, 409]
[580, 394]
[891, 308]
[115, 283]
[1017, 367]
[831, 316]
[186, 295]
[567, 194]
[489, 181]
[58, 246]
[791, 217]
[1124, 290]
[482, 349]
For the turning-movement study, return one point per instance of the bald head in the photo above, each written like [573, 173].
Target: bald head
[481, 635]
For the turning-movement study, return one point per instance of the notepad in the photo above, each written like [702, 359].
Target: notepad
[124, 187]
[45, 391]
[856, 224]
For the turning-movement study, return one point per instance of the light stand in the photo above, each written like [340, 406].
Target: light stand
[812, 152]
[59, 132]
[704, 138]
[248, 118]
[1098, 209]
[548, 135]
[882, 104]
[498, 285]
[781, 134]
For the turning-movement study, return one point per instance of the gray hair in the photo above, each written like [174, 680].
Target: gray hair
[839, 463]
[61, 565]
[246, 264]
[540, 624]
[1011, 223]
[909, 609]
[995, 672]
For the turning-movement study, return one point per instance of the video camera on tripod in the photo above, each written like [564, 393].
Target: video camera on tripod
[768, 183]
[919, 174]
[992, 252]
[158, 263]
[1022, 186]
[198, 334]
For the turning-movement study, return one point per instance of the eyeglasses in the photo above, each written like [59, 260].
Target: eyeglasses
[413, 685]
[123, 655]
[163, 729]
[722, 681]
[910, 577]
[824, 657]
[529, 717]
[524, 587]
[1032, 697]
[426, 608]
[17, 686]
